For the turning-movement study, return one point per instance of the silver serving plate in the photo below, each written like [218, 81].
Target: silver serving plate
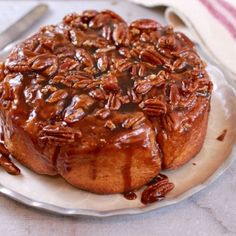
[55, 195]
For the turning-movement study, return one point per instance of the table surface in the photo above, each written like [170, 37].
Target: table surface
[210, 212]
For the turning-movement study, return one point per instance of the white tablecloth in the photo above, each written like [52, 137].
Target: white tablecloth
[210, 212]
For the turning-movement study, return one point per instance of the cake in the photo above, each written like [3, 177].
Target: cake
[104, 104]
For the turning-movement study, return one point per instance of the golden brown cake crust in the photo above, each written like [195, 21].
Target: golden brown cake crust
[102, 103]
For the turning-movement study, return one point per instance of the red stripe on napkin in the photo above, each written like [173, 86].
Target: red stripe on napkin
[220, 17]
[227, 6]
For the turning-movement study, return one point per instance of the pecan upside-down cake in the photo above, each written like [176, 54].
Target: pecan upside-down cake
[103, 103]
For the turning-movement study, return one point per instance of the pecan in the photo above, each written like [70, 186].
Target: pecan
[99, 20]
[46, 62]
[84, 57]
[110, 82]
[97, 43]
[169, 30]
[98, 94]
[135, 53]
[106, 49]
[68, 65]
[154, 107]
[133, 96]
[167, 42]
[77, 37]
[57, 96]
[174, 94]
[134, 122]
[83, 83]
[125, 52]
[142, 70]
[145, 24]
[67, 82]
[76, 110]
[151, 56]
[102, 63]
[40, 79]
[103, 113]
[94, 84]
[113, 102]
[48, 88]
[64, 50]
[144, 86]
[136, 136]
[15, 66]
[8, 165]
[204, 87]
[156, 192]
[59, 134]
[88, 14]
[107, 32]
[110, 125]
[2, 74]
[83, 75]
[7, 92]
[82, 100]
[73, 115]
[3, 150]
[187, 101]
[134, 70]
[171, 121]
[70, 17]
[123, 65]
[120, 34]
[144, 37]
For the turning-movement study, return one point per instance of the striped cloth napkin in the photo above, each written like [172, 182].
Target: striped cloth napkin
[211, 23]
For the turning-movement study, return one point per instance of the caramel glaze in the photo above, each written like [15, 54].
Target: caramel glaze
[87, 69]
[221, 137]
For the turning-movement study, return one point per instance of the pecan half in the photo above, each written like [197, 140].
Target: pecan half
[57, 96]
[174, 94]
[98, 94]
[102, 63]
[46, 62]
[171, 121]
[134, 122]
[113, 102]
[103, 113]
[157, 191]
[151, 56]
[59, 134]
[73, 115]
[84, 57]
[99, 20]
[154, 107]
[110, 82]
[145, 24]
[120, 34]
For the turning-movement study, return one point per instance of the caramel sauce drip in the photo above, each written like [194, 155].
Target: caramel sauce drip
[221, 137]
[127, 170]
[130, 195]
